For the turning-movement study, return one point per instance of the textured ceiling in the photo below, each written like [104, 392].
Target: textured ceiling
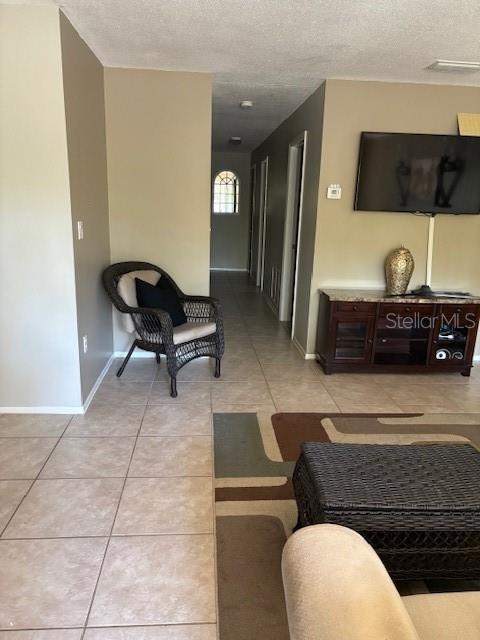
[277, 52]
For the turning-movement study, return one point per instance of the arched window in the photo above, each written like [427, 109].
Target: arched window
[225, 193]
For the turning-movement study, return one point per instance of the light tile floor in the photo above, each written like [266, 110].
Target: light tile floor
[107, 519]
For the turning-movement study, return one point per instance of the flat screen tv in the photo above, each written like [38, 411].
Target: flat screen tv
[418, 173]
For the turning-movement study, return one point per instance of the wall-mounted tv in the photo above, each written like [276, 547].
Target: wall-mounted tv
[415, 172]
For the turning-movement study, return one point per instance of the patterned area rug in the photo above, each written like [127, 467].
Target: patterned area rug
[254, 459]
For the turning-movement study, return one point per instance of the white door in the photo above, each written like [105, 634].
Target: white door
[262, 227]
[292, 229]
[252, 248]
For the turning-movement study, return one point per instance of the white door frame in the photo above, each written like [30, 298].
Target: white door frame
[253, 207]
[262, 222]
[287, 306]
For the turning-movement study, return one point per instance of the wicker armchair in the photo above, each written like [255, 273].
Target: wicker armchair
[202, 334]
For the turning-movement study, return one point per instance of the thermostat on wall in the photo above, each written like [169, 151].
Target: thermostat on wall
[334, 192]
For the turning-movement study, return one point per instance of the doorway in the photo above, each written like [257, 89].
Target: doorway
[293, 225]
[262, 223]
[252, 263]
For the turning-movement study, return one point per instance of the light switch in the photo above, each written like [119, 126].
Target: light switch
[80, 229]
[334, 192]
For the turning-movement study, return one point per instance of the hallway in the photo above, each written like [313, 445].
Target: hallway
[260, 356]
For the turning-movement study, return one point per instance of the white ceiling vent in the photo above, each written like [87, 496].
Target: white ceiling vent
[454, 66]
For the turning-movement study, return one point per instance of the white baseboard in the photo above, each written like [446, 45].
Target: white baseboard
[60, 410]
[304, 354]
[476, 358]
[102, 375]
[138, 353]
[76, 410]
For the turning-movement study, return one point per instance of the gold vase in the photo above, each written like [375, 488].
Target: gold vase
[399, 265]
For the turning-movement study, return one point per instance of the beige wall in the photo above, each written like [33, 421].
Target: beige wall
[38, 332]
[230, 234]
[351, 246]
[308, 117]
[85, 117]
[159, 164]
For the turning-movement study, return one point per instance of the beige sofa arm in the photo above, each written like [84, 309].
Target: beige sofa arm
[336, 588]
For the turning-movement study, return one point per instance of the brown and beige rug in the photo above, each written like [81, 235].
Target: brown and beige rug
[255, 507]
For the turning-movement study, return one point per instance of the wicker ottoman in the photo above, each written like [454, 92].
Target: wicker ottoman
[417, 505]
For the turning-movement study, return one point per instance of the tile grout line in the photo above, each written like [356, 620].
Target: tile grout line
[111, 626]
[275, 404]
[94, 593]
[310, 381]
[257, 357]
[277, 408]
[389, 396]
[106, 477]
[115, 535]
[33, 480]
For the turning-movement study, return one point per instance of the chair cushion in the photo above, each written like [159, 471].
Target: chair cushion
[185, 332]
[126, 290]
[192, 331]
[445, 616]
[155, 297]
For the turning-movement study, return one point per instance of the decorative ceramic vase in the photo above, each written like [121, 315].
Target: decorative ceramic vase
[399, 265]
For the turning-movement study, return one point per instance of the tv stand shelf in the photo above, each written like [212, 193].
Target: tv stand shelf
[366, 330]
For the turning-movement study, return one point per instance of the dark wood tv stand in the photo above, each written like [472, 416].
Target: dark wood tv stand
[362, 331]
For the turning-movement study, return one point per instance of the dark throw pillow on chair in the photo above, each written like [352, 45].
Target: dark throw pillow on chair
[153, 297]
[165, 285]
